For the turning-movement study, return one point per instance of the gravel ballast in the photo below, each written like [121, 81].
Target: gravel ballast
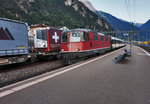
[13, 76]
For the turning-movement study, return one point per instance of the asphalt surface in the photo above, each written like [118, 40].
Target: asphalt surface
[103, 81]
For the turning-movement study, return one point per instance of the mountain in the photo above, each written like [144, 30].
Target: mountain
[116, 23]
[138, 24]
[68, 13]
[146, 25]
[88, 5]
[122, 25]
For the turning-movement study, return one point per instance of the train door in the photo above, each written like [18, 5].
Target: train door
[102, 41]
[91, 41]
[85, 40]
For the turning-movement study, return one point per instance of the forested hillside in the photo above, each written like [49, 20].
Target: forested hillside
[68, 13]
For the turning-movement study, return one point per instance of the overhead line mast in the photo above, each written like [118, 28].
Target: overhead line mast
[129, 12]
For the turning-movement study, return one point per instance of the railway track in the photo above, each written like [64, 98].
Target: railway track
[18, 72]
[146, 48]
[20, 66]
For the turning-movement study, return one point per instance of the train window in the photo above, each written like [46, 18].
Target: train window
[87, 35]
[83, 38]
[106, 38]
[41, 34]
[102, 38]
[44, 35]
[75, 37]
[64, 38]
[95, 37]
[113, 41]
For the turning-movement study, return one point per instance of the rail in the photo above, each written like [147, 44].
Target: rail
[147, 48]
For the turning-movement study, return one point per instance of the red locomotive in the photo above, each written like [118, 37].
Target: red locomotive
[81, 43]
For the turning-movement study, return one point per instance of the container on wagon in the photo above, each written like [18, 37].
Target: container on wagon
[13, 37]
[46, 40]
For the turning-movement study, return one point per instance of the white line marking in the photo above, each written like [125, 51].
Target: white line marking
[33, 78]
[142, 54]
[144, 51]
[6, 93]
[12, 90]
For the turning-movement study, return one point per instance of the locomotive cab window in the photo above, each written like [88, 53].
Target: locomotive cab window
[64, 38]
[41, 34]
[75, 37]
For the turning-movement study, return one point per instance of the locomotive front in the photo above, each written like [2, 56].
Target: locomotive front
[71, 41]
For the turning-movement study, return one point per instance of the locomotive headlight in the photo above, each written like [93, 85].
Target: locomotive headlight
[62, 49]
[77, 49]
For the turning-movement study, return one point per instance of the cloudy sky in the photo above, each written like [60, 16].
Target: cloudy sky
[121, 9]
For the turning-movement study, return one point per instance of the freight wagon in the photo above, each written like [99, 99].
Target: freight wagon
[17, 44]
[46, 41]
[13, 41]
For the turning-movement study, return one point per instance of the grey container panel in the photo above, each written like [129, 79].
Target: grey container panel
[18, 43]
